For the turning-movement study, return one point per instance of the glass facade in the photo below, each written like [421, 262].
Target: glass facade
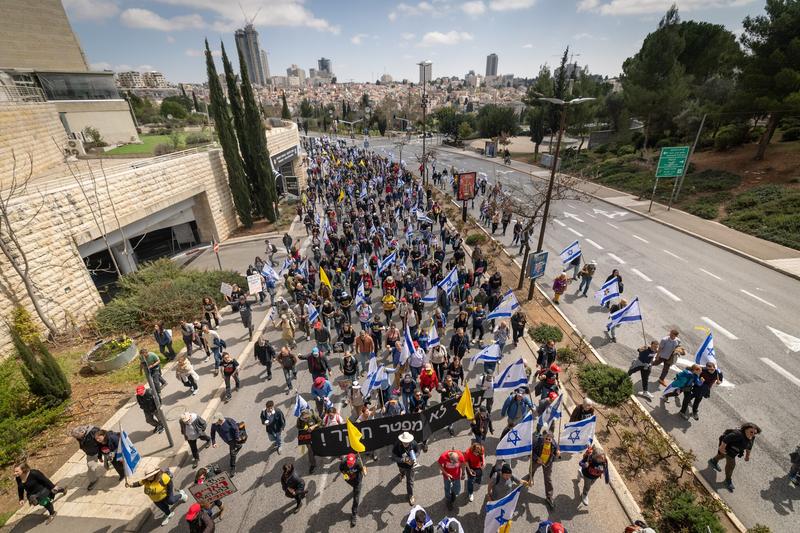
[78, 85]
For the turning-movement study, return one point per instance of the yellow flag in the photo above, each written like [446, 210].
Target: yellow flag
[323, 278]
[505, 528]
[341, 194]
[464, 406]
[362, 163]
[354, 435]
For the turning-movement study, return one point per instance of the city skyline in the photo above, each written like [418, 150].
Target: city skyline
[381, 37]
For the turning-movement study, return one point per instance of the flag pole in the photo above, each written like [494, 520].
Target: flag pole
[644, 337]
[124, 470]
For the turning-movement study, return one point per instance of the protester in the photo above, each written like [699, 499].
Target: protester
[199, 521]
[502, 481]
[152, 364]
[108, 441]
[593, 466]
[193, 427]
[36, 488]
[353, 473]
[265, 353]
[274, 422]
[293, 485]
[228, 431]
[404, 454]
[515, 408]
[642, 364]
[709, 376]
[685, 382]
[665, 356]
[147, 403]
[475, 458]
[734, 443]
[583, 411]
[452, 464]
[158, 485]
[544, 453]
[288, 362]
[184, 372]
[309, 421]
[163, 338]
[230, 370]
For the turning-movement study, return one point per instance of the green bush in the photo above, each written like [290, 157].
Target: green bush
[730, 136]
[758, 528]
[702, 209]
[711, 181]
[197, 138]
[681, 512]
[567, 356]
[543, 333]
[160, 291]
[163, 149]
[45, 378]
[791, 134]
[605, 384]
[475, 238]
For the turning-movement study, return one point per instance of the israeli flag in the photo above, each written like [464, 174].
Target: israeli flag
[506, 308]
[490, 354]
[388, 260]
[366, 264]
[422, 217]
[500, 512]
[706, 352]
[552, 412]
[300, 405]
[270, 273]
[408, 346]
[609, 291]
[518, 442]
[512, 377]
[313, 314]
[273, 314]
[409, 234]
[127, 452]
[377, 375]
[361, 295]
[629, 313]
[450, 282]
[577, 436]
[444, 525]
[570, 252]
[286, 264]
[303, 269]
[412, 520]
[351, 263]
[433, 337]
[364, 193]
[430, 296]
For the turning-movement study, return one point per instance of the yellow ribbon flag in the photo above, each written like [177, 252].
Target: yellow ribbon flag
[323, 278]
[354, 435]
[505, 528]
[362, 163]
[464, 406]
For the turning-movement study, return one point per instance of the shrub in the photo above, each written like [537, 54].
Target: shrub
[625, 149]
[681, 512]
[605, 384]
[475, 238]
[730, 136]
[703, 210]
[791, 134]
[758, 528]
[543, 333]
[46, 380]
[197, 138]
[163, 148]
[568, 356]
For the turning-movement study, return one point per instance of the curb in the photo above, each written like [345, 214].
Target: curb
[685, 231]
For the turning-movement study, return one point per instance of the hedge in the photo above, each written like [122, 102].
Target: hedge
[605, 384]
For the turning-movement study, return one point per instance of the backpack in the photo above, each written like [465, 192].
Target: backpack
[220, 343]
[242, 433]
[495, 472]
[726, 433]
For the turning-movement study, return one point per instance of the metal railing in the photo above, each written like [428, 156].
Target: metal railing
[21, 94]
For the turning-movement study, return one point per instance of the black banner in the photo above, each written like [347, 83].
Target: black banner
[381, 432]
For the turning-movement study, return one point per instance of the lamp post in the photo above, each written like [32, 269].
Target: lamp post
[424, 65]
[562, 126]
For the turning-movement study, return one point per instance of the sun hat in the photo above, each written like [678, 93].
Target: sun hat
[406, 437]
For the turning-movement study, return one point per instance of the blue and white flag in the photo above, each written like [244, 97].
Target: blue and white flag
[577, 436]
[706, 352]
[313, 314]
[422, 217]
[433, 337]
[408, 346]
[377, 376]
[366, 264]
[303, 269]
[500, 512]
[518, 442]
[300, 405]
[569, 253]
[430, 296]
[364, 193]
[286, 264]
[127, 452]
[512, 377]
[273, 314]
[609, 291]
[629, 313]
[412, 520]
[388, 260]
[444, 525]
[351, 263]
[490, 354]
[269, 273]
[508, 305]
[449, 282]
[552, 412]
[361, 295]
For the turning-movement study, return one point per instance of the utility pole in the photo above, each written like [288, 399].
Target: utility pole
[679, 182]
[423, 66]
[157, 398]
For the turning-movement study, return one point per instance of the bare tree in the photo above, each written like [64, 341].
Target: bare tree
[10, 245]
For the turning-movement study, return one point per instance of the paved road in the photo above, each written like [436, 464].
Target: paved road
[685, 283]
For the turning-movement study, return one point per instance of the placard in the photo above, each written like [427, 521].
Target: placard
[254, 283]
[466, 186]
[213, 489]
[226, 289]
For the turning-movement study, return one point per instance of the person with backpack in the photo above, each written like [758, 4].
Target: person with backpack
[216, 344]
[198, 521]
[734, 443]
[228, 430]
[317, 364]
[265, 354]
[288, 362]
[37, 487]
[147, 403]
[515, 408]
[193, 427]
[293, 485]
[593, 466]
[159, 487]
[543, 455]
[685, 382]
[274, 422]
[546, 356]
[502, 481]
[163, 337]
[271, 250]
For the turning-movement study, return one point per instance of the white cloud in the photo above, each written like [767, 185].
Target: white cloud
[645, 7]
[358, 38]
[91, 9]
[474, 8]
[529, 45]
[421, 8]
[590, 36]
[149, 20]
[100, 65]
[434, 38]
[407, 36]
[194, 52]
[510, 5]
[170, 39]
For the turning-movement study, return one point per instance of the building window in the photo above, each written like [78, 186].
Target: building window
[78, 86]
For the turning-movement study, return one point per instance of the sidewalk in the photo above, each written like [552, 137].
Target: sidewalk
[769, 254]
[110, 506]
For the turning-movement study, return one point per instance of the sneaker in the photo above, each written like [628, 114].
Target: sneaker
[50, 518]
[585, 500]
[194, 463]
[160, 429]
[714, 464]
[194, 392]
[685, 415]
[184, 496]
[645, 394]
[166, 518]
[91, 485]
[729, 485]
[695, 415]
[411, 500]
[278, 450]
[353, 520]
[470, 497]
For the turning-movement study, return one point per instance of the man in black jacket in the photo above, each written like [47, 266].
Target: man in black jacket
[147, 402]
[85, 435]
[734, 443]
[545, 451]
[265, 354]
[353, 473]
[274, 422]
[404, 453]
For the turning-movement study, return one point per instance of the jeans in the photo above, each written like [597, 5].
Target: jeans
[151, 419]
[452, 488]
[167, 350]
[473, 480]
[583, 288]
[289, 374]
[158, 380]
[475, 328]
[217, 358]
[233, 450]
[171, 499]
[188, 341]
[227, 378]
[415, 372]
[547, 471]
[644, 372]
[364, 357]
[275, 436]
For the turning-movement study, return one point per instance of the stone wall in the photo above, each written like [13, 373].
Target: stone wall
[28, 130]
[53, 221]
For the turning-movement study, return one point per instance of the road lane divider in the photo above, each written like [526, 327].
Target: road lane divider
[616, 258]
[717, 327]
[638, 273]
[762, 300]
[590, 241]
[669, 294]
[780, 370]
[641, 239]
[703, 270]
[676, 256]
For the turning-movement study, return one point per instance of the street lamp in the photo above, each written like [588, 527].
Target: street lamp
[424, 65]
[564, 106]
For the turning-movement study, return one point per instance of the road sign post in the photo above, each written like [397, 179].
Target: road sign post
[671, 164]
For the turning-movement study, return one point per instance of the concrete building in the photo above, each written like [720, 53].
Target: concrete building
[130, 79]
[265, 65]
[295, 71]
[154, 80]
[491, 65]
[324, 65]
[247, 41]
[425, 72]
[386, 78]
[472, 80]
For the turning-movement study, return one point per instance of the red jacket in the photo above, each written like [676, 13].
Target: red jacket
[428, 381]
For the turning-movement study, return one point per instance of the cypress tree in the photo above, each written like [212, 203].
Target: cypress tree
[194, 101]
[227, 139]
[285, 113]
[256, 141]
[41, 371]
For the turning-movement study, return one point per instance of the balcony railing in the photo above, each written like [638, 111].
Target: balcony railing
[21, 94]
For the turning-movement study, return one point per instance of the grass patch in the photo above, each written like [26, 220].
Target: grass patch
[5, 516]
[770, 212]
[149, 142]
[475, 238]
[707, 206]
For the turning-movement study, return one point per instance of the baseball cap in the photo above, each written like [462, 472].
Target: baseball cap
[552, 396]
[315, 350]
[555, 368]
[319, 382]
[351, 459]
[140, 390]
[193, 511]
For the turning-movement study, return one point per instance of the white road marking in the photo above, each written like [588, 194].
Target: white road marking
[675, 256]
[643, 240]
[719, 328]
[575, 232]
[641, 275]
[611, 215]
[570, 215]
[612, 225]
[617, 259]
[792, 343]
[762, 300]
[589, 214]
[665, 291]
[590, 241]
[710, 274]
[782, 371]
[688, 362]
[559, 223]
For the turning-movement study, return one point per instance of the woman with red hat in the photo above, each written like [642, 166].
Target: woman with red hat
[199, 522]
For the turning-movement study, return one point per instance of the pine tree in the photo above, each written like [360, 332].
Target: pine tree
[41, 371]
[227, 139]
[256, 143]
[285, 113]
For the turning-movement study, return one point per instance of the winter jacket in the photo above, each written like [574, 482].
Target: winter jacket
[278, 421]
[202, 523]
[515, 409]
[228, 431]
[194, 428]
[88, 444]
[146, 401]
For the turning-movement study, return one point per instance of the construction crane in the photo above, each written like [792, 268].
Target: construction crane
[251, 20]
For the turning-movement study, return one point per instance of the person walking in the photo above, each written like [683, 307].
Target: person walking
[287, 242]
[481, 425]
[189, 335]
[108, 441]
[452, 465]
[685, 382]
[158, 485]
[546, 356]
[265, 353]
[246, 314]
[503, 481]
[486, 384]
[293, 485]
[642, 364]
[586, 274]
[210, 312]
[734, 443]
[228, 431]
[709, 376]
[288, 362]
[152, 364]
[353, 472]
[559, 287]
[593, 466]
[611, 310]
[163, 337]
[184, 372]
[274, 422]
[318, 365]
[322, 391]
[515, 408]
[147, 403]
[193, 427]
[475, 458]
[309, 421]
[544, 453]
[36, 488]
[215, 344]
[404, 454]
[575, 265]
[418, 521]
[365, 347]
[230, 370]
[583, 411]
[198, 520]
[518, 322]
[85, 435]
[666, 349]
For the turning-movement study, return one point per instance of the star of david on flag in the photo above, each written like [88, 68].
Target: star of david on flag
[518, 442]
[577, 436]
[500, 512]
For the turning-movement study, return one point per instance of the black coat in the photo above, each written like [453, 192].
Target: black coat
[88, 444]
[146, 401]
[202, 523]
[278, 421]
[265, 354]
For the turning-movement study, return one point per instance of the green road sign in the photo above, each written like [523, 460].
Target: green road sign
[672, 161]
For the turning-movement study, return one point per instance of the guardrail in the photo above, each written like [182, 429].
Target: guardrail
[21, 94]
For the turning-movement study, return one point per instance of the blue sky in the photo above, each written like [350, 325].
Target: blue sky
[365, 38]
